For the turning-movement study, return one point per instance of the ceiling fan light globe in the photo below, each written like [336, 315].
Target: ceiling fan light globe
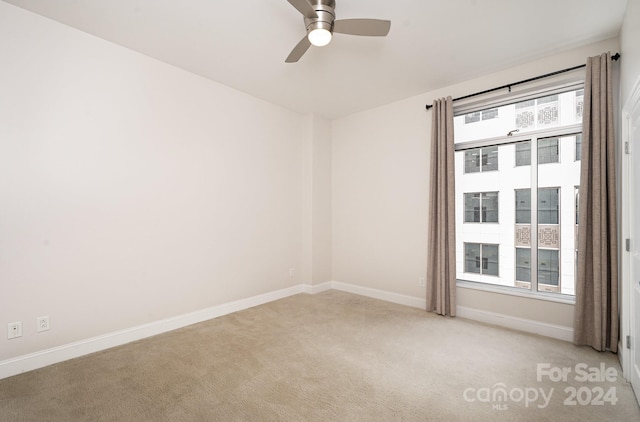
[319, 37]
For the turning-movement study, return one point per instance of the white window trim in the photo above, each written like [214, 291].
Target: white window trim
[515, 291]
[503, 140]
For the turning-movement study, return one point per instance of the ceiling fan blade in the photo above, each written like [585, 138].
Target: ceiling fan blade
[298, 50]
[304, 7]
[368, 27]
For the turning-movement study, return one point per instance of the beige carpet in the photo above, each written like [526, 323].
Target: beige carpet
[328, 357]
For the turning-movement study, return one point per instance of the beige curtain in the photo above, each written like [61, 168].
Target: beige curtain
[441, 252]
[596, 312]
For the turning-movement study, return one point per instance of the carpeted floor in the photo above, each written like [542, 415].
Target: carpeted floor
[333, 356]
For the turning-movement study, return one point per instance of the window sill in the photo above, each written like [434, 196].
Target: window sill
[549, 297]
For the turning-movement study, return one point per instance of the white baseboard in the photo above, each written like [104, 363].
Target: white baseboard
[58, 354]
[507, 321]
[527, 325]
[317, 288]
[414, 302]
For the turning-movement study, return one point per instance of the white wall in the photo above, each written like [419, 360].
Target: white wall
[380, 186]
[630, 50]
[321, 201]
[316, 168]
[132, 191]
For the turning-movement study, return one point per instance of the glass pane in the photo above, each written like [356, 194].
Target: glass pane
[548, 151]
[472, 161]
[490, 262]
[578, 146]
[490, 207]
[523, 153]
[472, 258]
[548, 267]
[471, 207]
[523, 264]
[548, 206]
[490, 158]
[523, 206]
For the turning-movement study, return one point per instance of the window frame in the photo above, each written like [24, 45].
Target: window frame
[533, 136]
[480, 162]
[481, 220]
[481, 247]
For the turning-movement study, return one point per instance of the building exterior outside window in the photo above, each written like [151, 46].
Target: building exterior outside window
[516, 214]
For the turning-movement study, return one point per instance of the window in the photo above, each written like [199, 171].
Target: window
[484, 115]
[548, 206]
[481, 207]
[578, 146]
[548, 151]
[528, 197]
[481, 258]
[523, 206]
[523, 264]
[490, 114]
[548, 267]
[481, 159]
[471, 118]
[523, 153]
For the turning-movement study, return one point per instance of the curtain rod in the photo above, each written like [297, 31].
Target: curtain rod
[557, 72]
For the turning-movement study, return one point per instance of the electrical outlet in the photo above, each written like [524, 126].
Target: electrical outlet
[421, 281]
[292, 272]
[42, 323]
[14, 330]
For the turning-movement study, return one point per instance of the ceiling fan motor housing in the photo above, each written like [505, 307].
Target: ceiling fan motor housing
[326, 16]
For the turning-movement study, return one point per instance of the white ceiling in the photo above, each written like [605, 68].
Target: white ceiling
[432, 43]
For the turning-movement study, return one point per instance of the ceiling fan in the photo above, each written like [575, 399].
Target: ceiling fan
[319, 19]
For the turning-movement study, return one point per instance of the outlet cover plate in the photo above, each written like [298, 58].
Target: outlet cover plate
[43, 323]
[14, 330]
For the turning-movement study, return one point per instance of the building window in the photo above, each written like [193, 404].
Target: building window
[523, 264]
[528, 247]
[481, 207]
[548, 151]
[548, 206]
[481, 159]
[489, 114]
[481, 258]
[523, 206]
[523, 153]
[548, 267]
[578, 146]
[472, 118]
